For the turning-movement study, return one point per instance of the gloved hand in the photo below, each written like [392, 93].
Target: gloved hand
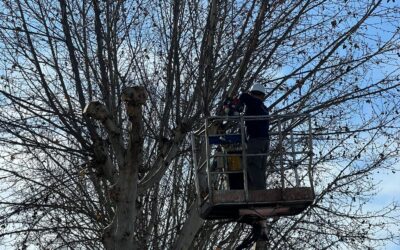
[232, 106]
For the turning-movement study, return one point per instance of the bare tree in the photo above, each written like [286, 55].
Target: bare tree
[98, 99]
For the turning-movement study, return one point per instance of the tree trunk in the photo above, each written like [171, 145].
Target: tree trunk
[189, 230]
[261, 245]
[119, 234]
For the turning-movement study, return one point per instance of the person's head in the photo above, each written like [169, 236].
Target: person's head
[257, 90]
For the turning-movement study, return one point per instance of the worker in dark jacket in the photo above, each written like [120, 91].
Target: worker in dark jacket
[257, 136]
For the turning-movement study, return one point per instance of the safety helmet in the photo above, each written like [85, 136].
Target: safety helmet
[257, 88]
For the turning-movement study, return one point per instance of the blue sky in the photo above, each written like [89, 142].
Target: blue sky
[389, 191]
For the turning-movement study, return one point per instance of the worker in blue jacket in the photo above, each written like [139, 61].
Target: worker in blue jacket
[257, 136]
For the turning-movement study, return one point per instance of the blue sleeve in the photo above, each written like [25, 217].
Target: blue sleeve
[249, 101]
[246, 98]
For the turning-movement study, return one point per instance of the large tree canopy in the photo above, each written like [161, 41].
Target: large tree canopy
[98, 99]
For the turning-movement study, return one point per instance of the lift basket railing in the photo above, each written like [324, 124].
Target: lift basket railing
[220, 157]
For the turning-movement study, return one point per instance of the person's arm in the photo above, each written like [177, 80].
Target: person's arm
[249, 100]
[245, 98]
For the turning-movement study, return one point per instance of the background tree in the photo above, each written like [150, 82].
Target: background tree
[119, 176]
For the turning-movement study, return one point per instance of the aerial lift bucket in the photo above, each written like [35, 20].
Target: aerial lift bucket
[223, 191]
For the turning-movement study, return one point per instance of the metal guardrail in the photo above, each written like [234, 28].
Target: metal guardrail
[289, 158]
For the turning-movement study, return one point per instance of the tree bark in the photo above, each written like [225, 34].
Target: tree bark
[189, 230]
[119, 234]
